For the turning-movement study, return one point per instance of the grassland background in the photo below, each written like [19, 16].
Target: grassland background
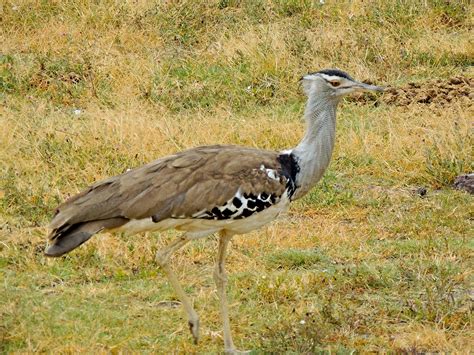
[90, 89]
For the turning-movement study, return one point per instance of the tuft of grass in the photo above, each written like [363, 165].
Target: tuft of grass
[332, 190]
[295, 259]
[444, 166]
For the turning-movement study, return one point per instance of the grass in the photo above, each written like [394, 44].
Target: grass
[362, 263]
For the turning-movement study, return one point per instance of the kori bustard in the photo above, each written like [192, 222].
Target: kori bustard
[220, 189]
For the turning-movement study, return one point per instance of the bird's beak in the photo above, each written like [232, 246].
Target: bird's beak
[366, 87]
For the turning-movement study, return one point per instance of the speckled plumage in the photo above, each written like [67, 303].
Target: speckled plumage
[195, 183]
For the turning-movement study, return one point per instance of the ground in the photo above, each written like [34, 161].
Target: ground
[378, 257]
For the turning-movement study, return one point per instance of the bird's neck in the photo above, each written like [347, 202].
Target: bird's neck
[314, 151]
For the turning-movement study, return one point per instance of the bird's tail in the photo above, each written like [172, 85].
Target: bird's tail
[69, 237]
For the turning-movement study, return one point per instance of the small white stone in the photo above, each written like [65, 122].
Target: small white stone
[302, 322]
[321, 2]
[77, 112]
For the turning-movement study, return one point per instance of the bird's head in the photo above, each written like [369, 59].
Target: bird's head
[333, 83]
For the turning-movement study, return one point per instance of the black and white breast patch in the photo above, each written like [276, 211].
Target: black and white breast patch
[240, 206]
[290, 169]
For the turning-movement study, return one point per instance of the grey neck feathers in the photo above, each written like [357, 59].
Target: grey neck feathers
[315, 150]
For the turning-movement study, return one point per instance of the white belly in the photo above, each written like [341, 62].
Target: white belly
[198, 228]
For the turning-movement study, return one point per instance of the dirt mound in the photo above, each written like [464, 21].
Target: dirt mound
[465, 182]
[438, 92]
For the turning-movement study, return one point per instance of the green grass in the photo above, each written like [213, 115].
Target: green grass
[363, 263]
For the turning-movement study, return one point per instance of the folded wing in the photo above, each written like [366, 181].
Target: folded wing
[184, 185]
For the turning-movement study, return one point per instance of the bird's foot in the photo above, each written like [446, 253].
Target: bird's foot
[234, 351]
[194, 329]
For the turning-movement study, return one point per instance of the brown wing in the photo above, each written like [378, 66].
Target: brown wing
[178, 185]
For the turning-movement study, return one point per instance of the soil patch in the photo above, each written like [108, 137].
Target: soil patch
[438, 92]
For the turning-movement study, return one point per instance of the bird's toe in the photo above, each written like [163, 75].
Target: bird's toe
[194, 329]
[234, 351]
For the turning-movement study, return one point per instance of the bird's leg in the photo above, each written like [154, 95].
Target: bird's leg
[220, 278]
[162, 258]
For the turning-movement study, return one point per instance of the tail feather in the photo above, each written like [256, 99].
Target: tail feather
[70, 237]
[67, 243]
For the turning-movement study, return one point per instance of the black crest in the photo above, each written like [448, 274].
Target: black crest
[334, 72]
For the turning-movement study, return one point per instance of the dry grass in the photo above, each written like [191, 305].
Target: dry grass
[363, 263]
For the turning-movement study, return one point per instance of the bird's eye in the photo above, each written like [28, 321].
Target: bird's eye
[335, 83]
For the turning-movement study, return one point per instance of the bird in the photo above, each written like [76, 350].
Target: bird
[223, 190]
